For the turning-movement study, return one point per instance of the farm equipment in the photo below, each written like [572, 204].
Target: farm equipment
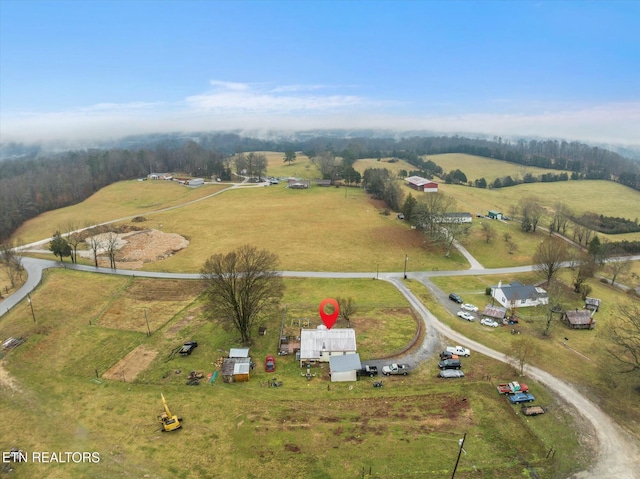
[194, 377]
[170, 422]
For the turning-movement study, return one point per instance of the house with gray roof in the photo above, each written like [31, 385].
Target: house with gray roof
[518, 295]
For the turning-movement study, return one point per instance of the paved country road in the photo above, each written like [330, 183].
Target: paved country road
[618, 454]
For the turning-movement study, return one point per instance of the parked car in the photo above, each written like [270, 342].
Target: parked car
[465, 315]
[450, 364]
[489, 322]
[269, 364]
[521, 397]
[469, 307]
[451, 373]
[455, 297]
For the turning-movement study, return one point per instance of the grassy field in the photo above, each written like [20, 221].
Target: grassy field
[320, 229]
[306, 429]
[395, 167]
[612, 199]
[475, 167]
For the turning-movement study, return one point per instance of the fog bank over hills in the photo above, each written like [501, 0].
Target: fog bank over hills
[228, 141]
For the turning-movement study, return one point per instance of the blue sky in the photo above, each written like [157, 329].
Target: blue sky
[82, 70]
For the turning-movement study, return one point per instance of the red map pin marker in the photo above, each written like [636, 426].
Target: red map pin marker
[329, 319]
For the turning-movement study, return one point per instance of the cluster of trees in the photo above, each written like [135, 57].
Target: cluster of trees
[431, 214]
[380, 183]
[251, 164]
[607, 224]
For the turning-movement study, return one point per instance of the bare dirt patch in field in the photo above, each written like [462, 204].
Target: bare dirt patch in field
[6, 380]
[134, 248]
[128, 368]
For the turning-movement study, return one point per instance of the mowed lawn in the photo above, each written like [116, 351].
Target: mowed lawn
[305, 429]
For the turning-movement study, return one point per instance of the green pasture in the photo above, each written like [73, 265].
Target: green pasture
[476, 167]
[302, 167]
[307, 428]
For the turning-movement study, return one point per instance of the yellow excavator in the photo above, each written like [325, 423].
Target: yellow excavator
[170, 422]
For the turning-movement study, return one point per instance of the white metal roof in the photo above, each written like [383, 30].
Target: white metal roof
[313, 341]
[239, 353]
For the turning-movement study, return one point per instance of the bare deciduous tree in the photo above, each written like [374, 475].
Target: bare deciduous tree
[241, 286]
[531, 211]
[618, 265]
[95, 243]
[347, 308]
[111, 242]
[488, 231]
[12, 262]
[326, 163]
[624, 335]
[522, 349]
[549, 256]
[73, 237]
[586, 270]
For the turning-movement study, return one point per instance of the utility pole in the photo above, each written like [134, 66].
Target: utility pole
[461, 442]
[147, 320]
[30, 304]
[406, 257]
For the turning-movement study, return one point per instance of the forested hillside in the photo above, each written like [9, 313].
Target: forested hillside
[36, 182]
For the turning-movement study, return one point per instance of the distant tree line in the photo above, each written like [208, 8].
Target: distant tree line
[33, 181]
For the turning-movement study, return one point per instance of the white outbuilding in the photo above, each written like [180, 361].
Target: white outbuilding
[344, 368]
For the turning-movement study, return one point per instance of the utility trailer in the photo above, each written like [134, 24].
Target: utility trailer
[532, 410]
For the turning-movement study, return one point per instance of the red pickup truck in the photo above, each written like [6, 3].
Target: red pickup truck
[512, 387]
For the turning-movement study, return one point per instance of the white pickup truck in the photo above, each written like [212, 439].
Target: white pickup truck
[394, 369]
[459, 350]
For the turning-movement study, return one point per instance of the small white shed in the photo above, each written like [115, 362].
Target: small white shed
[196, 182]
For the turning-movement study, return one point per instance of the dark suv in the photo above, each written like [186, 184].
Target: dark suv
[455, 297]
[450, 364]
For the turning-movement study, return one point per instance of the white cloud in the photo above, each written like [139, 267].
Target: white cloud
[241, 97]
